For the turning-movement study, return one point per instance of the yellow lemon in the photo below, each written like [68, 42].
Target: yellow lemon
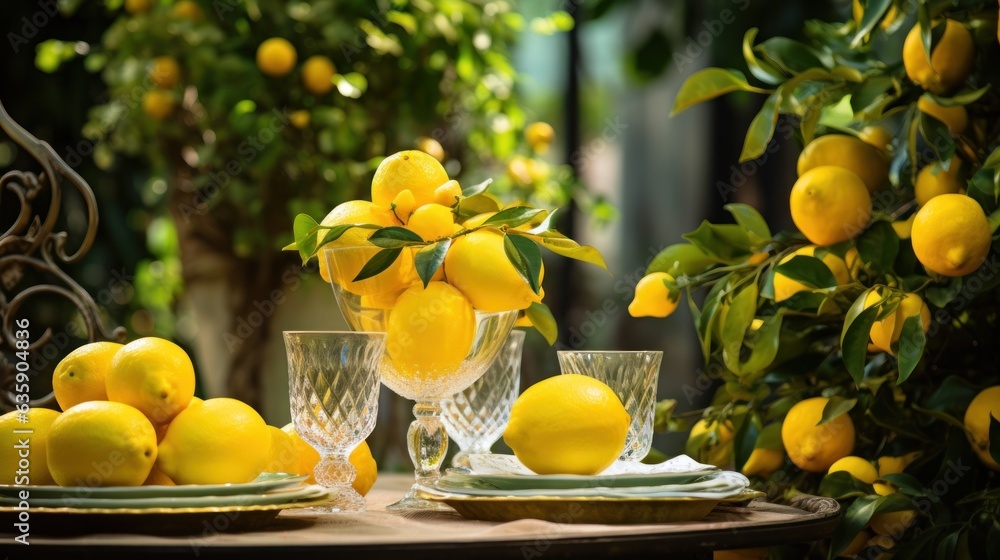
[157, 478]
[951, 235]
[977, 423]
[811, 446]
[719, 453]
[885, 333]
[217, 441]
[24, 457]
[652, 298]
[317, 74]
[284, 454]
[892, 465]
[432, 222]
[858, 543]
[80, 376]
[356, 251]
[842, 269]
[411, 170]
[432, 147]
[136, 7]
[448, 194]
[893, 523]
[567, 424]
[830, 204]
[869, 163]
[158, 103]
[539, 136]
[763, 462]
[276, 57]
[876, 136]
[300, 119]
[154, 375]
[307, 455]
[430, 331]
[478, 266]
[187, 9]
[950, 63]
[365, 468]
[904, 227]
[934, 180]
[955, 117]
[165, 72]
[101, 443]
[861, 469]
[307, 458]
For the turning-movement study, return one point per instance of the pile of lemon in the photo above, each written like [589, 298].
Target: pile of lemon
[430, 329]
[130, 418]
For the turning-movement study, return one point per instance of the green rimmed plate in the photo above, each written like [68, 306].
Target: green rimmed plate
[512, 482]
[264, 483]
[273, 497]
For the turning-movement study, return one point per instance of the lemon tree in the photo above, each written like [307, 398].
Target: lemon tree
[854, 357]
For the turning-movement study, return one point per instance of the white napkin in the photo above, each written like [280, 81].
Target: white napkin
[493, 464]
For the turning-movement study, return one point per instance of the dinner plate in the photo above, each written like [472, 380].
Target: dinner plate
[719, 488]
[630, 510]
[263, 483]
[277, 496]
[569, 481]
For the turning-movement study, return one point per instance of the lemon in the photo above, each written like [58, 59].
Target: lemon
[955, 117]
[101, 443]
[300, 119]
[158, 103]
[813, 447]
[861, 469]
[652, 298]
[33, 469]
[933, 180]
[283, 456]
[951, 235]
[842, 269]
[79, 377]
[858, 543]
[763, 462]
[830, 204]
[217, 441]
[448, 194]
[432, 222]
[903, 228]
[869, 163]
[276, 57]
[187, 9]
[308, 457]
[719, 453]
[154, 375]
[885, 333]
[317, 74]
[136, 7]
[893, 523]
[430, 331]
[567, 424]
[349, 262]
[539, 136]
[432, 147]
[165, 72]
[892, 465]
[950, 62]
[411, 170]
[157, 478]
[365, 468]
[876, 136]
[477, 265]
[985, 405]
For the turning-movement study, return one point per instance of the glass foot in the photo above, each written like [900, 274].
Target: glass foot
[411, 503]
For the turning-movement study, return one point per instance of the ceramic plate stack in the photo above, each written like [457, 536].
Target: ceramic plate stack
[194, 508]
[500, 488]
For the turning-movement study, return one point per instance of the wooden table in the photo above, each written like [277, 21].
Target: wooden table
[377, 534]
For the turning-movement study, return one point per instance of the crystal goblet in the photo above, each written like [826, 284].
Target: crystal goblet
[632, 376]
[333, 391]
[476, 416]
[427, 440]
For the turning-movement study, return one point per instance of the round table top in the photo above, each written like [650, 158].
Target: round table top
[376, 533]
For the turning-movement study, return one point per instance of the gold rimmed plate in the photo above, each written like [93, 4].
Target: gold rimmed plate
[561, 509]
[266, 482]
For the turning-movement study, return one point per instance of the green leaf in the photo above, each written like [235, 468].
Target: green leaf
[765, 346]
[924, 21]
[305, 237]
[524, 254]
[564, 246]
[738, 319]
[841, 485]
[993, 160]
[788, 54]
[727, 242]
[708, 84]
[394, 236]
[994, 438]
[428, 259]
[938, 137]
[378, 263]
[513, 217]
[770, 438]
[475, 205]
[761, 70]
[333, 233]
[911, 346]
[961, 98]
[681, 258]
[808, 270]
[836, 406]
[476, 189]
[855, 518]
[854, 337]
[541, 318]
[752, 222]
[953, 393]
[874, 10]
[744, 439]
[878, 246]
[761, 128]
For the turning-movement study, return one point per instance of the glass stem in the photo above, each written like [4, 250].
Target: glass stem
[427, 442]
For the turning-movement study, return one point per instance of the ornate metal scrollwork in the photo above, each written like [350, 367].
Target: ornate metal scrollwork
[31, 242]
